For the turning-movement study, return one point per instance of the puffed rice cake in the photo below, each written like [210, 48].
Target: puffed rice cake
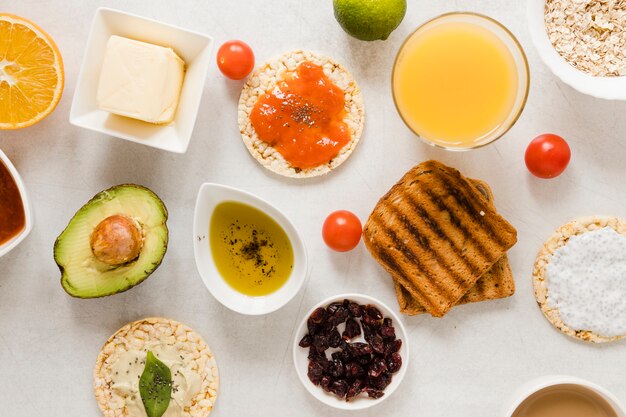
[540, 281]
[265, 78]
[134, 336]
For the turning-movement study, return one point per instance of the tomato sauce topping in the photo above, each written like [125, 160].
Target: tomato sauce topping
[12, 216]
[302, 118]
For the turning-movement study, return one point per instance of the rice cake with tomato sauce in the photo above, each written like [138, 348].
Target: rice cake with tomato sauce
[266, 78]
[139, 336]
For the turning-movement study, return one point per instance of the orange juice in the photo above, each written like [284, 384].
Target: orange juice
[456, 82]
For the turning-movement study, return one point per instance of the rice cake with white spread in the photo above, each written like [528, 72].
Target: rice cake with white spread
[579, 279]
[175, 344]
[265, 78]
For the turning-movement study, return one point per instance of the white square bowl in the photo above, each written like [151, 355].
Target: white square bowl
[193, 47]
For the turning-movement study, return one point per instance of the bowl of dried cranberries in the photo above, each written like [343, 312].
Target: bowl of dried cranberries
[351, 351]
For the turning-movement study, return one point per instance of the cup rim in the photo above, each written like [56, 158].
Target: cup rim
[538, 384]
[526, 69]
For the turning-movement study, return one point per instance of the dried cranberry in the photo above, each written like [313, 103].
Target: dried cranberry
[339, 388]
[340, 316]
[313, 353]
[319, 315]
[356, 387]
[326, 327]
[359, 349]
[321, 362]
[354, 370]
[332, 308]
[341, 355]
[377, 367]
[380, 382]
[320, 342]
[369, 332]
[394, 363]
[355, 310]
[306, 341]
[325, 382]
[374, 393]
[393, 346]
[377, 344]
[315, 372]
[352, 329]
[387, 331]
[364, 360]
[337, 369]
[373, 312]
[311, 327]
[334, 340]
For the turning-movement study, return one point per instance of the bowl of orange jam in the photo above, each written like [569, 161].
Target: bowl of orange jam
[460, 81]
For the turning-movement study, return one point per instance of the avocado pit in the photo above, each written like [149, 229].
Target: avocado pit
[116, 240]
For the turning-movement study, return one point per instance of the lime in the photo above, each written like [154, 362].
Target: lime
[369, 20]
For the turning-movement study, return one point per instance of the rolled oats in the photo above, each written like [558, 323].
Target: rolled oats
[589, 34]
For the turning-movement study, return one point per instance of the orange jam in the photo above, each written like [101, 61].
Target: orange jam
[302, 118]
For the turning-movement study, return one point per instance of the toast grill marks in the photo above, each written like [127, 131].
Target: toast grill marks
[496, 283]
[464, 243]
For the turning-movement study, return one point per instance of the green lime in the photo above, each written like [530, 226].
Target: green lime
[369, 20]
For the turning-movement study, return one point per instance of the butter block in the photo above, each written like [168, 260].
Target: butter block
[140, 80]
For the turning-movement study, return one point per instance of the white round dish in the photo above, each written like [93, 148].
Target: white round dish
[539, 384]
[610, 88]
[209, 196]
[301, 361]
[17, 239]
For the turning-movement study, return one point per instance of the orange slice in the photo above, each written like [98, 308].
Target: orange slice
[31, 73]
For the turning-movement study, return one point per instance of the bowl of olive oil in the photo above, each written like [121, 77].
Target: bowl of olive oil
[248, 253]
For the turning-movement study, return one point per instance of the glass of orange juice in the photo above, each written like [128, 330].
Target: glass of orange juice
[460, 81]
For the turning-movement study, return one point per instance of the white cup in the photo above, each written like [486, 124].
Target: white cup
[530, 388]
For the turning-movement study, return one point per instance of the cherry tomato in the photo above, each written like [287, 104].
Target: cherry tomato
[342, 230]
[547, 156]
[235, 59]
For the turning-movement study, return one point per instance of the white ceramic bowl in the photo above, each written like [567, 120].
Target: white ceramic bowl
[17, 239]
[209, 196]
[611, 88]
[539, 384]
[301, 361]
[193, 47]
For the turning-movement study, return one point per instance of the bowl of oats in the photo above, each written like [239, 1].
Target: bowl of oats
[583, 42]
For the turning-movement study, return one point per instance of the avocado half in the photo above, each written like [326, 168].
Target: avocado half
[85, 272]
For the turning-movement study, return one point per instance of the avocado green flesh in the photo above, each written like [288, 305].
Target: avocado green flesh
[85, 276]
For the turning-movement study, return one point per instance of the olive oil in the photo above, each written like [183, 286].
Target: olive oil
[251, 250]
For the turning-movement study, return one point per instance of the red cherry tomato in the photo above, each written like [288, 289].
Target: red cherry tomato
[235, 59]
[547, 156]
[342, 230]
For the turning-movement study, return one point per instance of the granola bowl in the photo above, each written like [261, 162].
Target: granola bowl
[581, 78]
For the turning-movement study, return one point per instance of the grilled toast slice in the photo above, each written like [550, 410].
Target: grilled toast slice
[496, 283]
[436, 235]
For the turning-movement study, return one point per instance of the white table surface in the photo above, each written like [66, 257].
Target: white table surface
[467, 364]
